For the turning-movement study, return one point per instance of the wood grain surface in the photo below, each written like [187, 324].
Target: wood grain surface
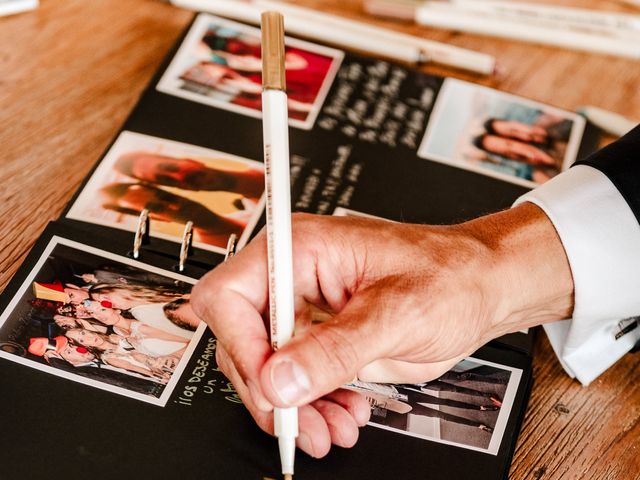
[72, 70]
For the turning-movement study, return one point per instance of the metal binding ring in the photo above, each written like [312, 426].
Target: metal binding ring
[185, 246]
[231, 246]
[142, 232]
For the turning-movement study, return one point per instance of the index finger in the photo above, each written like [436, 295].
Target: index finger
[231, 300]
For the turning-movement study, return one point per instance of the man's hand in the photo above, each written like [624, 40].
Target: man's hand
[408, 302]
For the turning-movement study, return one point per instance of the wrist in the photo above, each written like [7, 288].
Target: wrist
[529, 275]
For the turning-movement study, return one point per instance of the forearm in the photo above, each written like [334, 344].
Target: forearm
[529, 275]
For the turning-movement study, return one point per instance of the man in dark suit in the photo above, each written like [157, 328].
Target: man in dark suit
[410, 301]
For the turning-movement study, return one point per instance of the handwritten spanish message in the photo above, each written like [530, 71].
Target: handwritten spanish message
[205, 378]
[374, 103]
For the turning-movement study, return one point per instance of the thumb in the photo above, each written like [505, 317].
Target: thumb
[387, 370]
[323, 359]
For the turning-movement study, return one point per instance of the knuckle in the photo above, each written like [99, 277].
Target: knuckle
[306, 230]
[298, 221]
[206, 295]
[201, 298]
[299, 218]
[303, 224]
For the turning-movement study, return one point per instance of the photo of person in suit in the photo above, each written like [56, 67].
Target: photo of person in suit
[467, 406]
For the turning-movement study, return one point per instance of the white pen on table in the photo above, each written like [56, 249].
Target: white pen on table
[351, 34]
[436, 52]
[616, 23]
[578, 29]
[278, 206]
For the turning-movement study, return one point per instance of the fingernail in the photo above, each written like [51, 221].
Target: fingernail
[261, 402]
[362, 415]
[290, 382]
[304, 444]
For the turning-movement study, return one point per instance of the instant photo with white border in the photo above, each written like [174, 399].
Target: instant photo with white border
[171, 84]
[347, 212]
[432, 432]
[454, 113]
[130, 141]
[27, 284]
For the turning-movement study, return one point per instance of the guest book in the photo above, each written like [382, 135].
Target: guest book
[105, 370]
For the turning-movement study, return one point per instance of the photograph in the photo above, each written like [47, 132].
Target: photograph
[103, 320]
[500, 135]
[219, 64]
[347, 212]
[221, 194]
[468, 406]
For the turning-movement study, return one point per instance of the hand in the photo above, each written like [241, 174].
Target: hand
[409, 300]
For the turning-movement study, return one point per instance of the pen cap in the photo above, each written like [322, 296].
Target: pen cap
[273, 51]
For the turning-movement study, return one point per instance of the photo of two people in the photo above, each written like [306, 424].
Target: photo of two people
[500, 135]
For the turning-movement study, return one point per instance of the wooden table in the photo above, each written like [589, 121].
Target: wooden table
[71, 71]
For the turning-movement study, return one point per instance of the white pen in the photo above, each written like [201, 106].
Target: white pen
[433, 51]
[278, 191]
[247, 11]
[11, 7]
[351, 34]
[485, 19]
[586, 19]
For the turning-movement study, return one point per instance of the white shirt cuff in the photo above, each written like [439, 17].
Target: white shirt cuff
[601, 238]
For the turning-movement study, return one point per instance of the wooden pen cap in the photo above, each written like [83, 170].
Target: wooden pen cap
[273, 51]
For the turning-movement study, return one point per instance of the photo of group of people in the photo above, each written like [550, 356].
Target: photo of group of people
[220, 193]
[219, 64]
[468, 406]
[500, 135]
[103, 320]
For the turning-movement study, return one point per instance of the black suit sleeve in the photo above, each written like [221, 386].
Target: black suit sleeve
[620, 162]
